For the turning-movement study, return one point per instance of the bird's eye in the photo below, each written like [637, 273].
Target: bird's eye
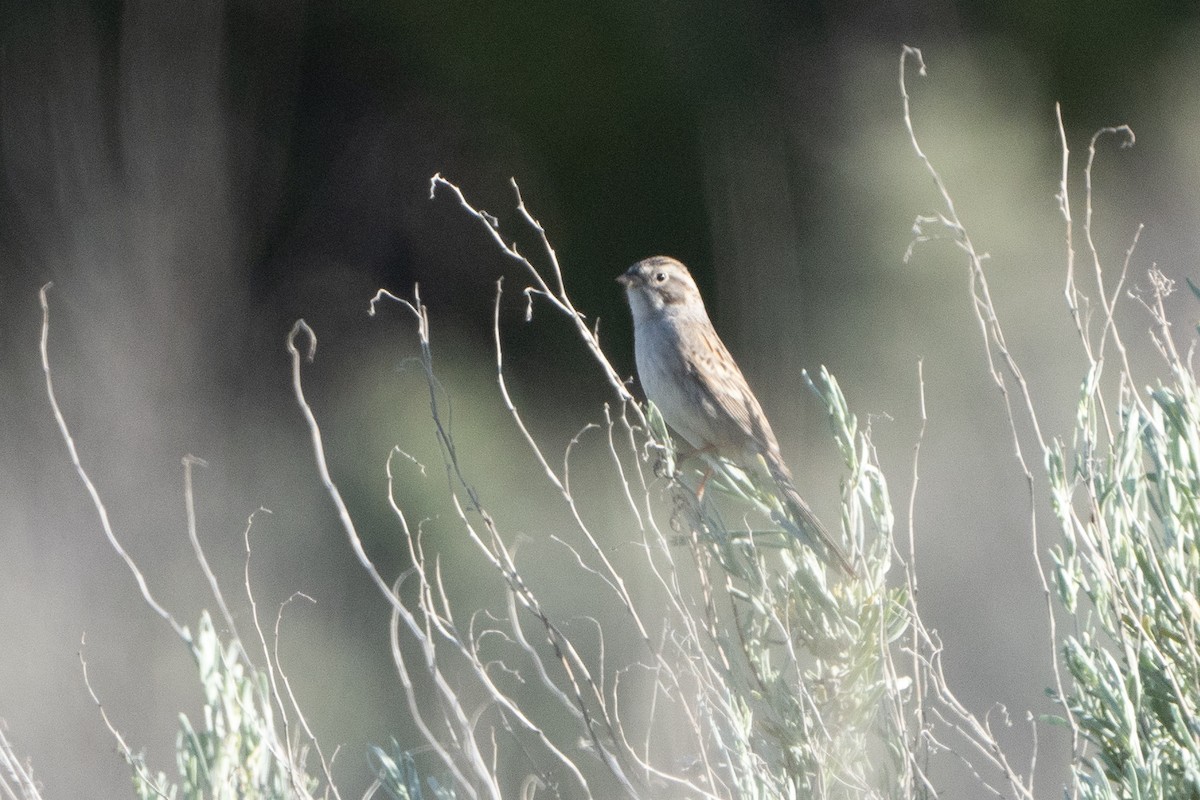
[660, 277]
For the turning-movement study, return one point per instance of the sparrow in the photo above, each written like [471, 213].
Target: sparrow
[690, 375]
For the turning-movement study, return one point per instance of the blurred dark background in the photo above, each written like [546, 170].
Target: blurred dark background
[196, 176]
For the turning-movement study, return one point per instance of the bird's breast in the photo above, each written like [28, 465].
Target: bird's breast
[662, 370]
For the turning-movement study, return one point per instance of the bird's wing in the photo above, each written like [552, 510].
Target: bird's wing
[739, 423]
[737, 414]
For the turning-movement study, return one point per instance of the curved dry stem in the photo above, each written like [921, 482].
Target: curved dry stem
[93, 492]
[975, 732]
[613, 578]
[189, 497]
[131, 758]
[445, 691]
[11, 768]
[557, 296]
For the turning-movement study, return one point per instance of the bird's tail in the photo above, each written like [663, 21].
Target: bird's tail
[806, 520]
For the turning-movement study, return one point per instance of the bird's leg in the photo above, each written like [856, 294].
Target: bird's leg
[708, 471]
[699, 452]
[688, 506]
[682, 455]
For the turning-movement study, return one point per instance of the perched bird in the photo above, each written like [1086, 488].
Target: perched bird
[688, 373]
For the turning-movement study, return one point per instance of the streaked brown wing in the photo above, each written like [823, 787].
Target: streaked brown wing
[739, 417]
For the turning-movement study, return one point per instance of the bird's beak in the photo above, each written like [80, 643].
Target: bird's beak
[625, 279]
